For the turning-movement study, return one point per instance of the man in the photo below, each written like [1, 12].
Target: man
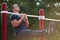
[20, 23]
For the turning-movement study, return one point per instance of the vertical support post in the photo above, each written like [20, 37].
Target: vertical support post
[41, 21]
[4, 22]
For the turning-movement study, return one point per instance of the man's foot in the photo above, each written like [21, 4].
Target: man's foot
[50, 27]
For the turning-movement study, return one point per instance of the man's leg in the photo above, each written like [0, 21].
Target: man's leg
[33, 33]
[36, 33]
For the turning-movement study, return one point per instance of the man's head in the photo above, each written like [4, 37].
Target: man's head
[15, 7]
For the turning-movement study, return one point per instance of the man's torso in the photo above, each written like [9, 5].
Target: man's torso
[19, 27]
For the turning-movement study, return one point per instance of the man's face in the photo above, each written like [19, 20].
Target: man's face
[16, 8]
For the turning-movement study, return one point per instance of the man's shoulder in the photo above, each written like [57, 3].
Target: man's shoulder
[13, 16]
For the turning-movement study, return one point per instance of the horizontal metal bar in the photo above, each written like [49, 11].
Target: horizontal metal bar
[40, 17]
[52, 19]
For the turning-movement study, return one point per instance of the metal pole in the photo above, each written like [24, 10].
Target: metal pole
[41, 22]
[43, 17]
[4, 22]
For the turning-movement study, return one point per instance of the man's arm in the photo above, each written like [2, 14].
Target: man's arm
[26, 21]
[15, 22]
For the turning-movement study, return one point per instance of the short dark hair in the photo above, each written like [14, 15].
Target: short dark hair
[14, 5]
